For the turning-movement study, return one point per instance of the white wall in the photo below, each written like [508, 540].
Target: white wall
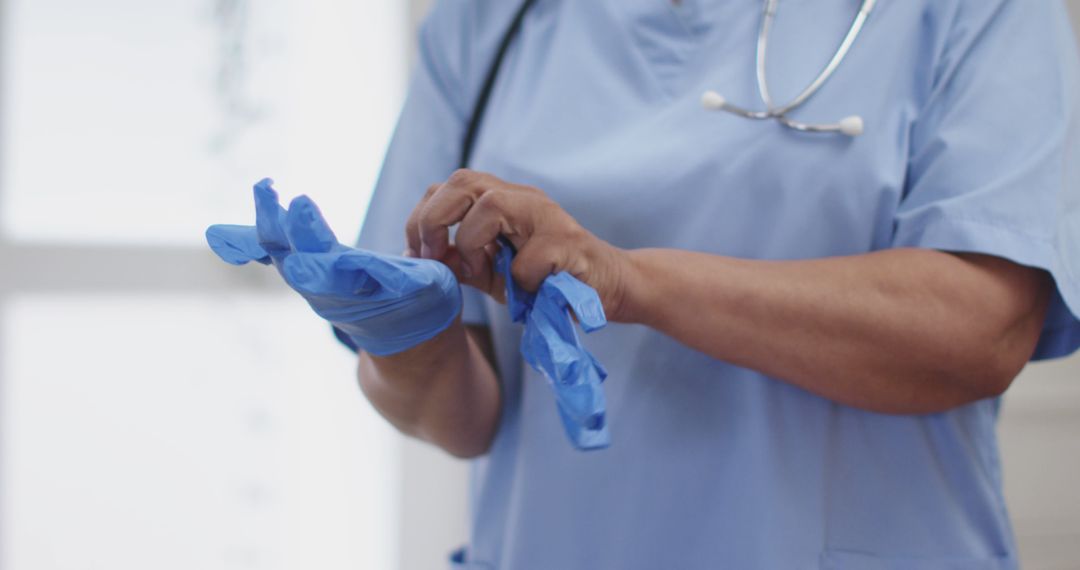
[194, 415]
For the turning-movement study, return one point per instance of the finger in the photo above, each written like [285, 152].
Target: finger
[582, 299]
[481, 226]
[535, 262]
[483, 277]
[412, 225]
[236, 244]
[270, 219]
[452, 259]
[306, 228]
[447, 206]
[593, 435]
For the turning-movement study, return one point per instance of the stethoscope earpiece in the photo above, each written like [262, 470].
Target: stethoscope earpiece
[852, 126]
[713, 101]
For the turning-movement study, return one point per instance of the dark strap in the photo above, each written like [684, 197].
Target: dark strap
[489, 84]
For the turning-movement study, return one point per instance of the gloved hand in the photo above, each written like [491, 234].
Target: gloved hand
[384, 303]
[552, 347]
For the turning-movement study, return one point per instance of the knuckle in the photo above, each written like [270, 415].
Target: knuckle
[489, 201]
[468, 240]
[548, 206]
[461, 177]
[534, 256]
[428, 225]
[533, 190]
[413, 221]
[576, 234]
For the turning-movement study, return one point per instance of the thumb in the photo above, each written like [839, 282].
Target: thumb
[236, 244]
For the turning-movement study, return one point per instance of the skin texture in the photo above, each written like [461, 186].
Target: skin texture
[443, 391]
[917, 331]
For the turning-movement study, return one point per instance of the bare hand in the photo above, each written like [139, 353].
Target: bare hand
[547, 238]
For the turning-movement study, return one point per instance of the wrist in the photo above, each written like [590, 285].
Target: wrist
[426, 356]
[635, 289]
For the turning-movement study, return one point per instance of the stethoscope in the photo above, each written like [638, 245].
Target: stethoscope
[851, 126]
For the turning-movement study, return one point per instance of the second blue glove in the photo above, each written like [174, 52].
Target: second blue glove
[552, 347]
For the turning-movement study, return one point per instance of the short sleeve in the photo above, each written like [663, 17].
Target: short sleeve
[427, 140]
[995, 163]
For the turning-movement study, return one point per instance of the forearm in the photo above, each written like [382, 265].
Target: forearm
[898, 331]
[443, 391]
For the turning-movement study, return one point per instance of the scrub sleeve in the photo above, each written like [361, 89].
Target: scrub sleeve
[990, 169]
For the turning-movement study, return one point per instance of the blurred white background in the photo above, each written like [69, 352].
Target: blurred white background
[161, 410]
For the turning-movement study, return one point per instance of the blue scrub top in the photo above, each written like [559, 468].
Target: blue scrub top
[970, 145]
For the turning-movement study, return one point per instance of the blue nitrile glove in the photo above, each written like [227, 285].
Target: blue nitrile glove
[384, 303]
[552, 347]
